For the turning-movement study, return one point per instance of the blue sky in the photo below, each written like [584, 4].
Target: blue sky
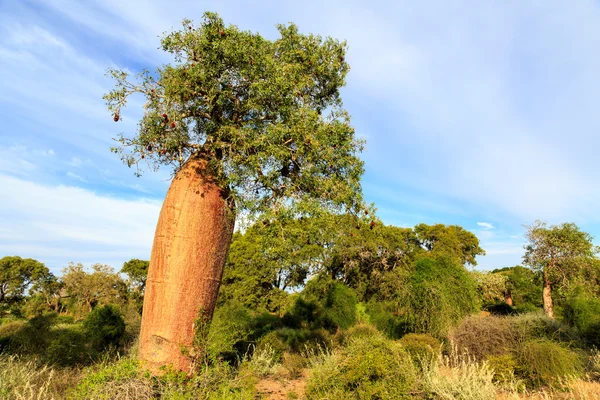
[482, 114]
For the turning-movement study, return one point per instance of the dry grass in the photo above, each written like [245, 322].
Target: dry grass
[458, 376]
[26, 379]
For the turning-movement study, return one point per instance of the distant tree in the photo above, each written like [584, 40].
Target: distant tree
[270, 257]
[137, 271]
[492, 287]
[559, 252]
[100, 286]
[18, 274]
[249, 124]
[46, 292]
[365, 253]
[522, 286]
[450, 241]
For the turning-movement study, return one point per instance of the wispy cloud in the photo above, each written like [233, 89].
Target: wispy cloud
[485, 225]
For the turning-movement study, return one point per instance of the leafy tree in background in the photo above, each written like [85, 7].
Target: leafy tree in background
[449, 240]
[366, 253]
[137, 271]
[492, 287]
[270, 257]
[248, 124]
[88, 289]
[522, 286]
[559, 252]
[17, 274]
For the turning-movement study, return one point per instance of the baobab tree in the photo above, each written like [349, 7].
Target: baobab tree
[248, 124]
[559, 252]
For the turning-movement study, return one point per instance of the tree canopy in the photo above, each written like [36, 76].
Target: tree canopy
[137, 271]
[559, 250]
[267, 115]
[17, 274]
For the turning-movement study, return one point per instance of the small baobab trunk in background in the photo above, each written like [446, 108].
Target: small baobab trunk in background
[508, 298]
[547, 295]
[190, 248]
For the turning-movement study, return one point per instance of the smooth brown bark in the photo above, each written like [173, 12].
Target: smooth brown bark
[547, 296]
[190, 247]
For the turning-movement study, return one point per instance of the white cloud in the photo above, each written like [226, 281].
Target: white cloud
[58, 224]
[485, 225]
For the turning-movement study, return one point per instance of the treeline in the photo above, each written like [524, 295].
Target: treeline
[325, 291]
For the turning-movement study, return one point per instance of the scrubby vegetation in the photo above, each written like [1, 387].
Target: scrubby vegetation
[427, 330]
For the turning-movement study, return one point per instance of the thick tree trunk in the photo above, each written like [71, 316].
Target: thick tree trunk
[190, 247]
[547, 296]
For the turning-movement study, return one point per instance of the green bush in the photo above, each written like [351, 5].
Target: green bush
[525, 308]
[333, 304]
[29, 337]
[68, 346]
[545, 363]
[439, 293]
[104, 326]
[289, 340]
[229, 332]
[10, 336]
[421, 346]
[368, 368]
[119, 380]
[504, 367]
[391, 325]
[342, 338]
[536, 325]
[64, 319]
[340, 306]
[582, 310]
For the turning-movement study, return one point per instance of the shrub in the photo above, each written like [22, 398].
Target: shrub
[544, 363]
[594, 364]
[289, 340]
[368, 368]
[538, 326]
[357, 331]
[525, 308]
[104, 327]
[439, 293]
[336, 302]
[64, 319]
[504, 367]
[263, 362]
[68, 346]
[10, 336]
[340, 306]
[392, 326]
[119, 380]
[481, 336]
[421, 346]
[229, 332]
[304, 314]
[582, 311]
